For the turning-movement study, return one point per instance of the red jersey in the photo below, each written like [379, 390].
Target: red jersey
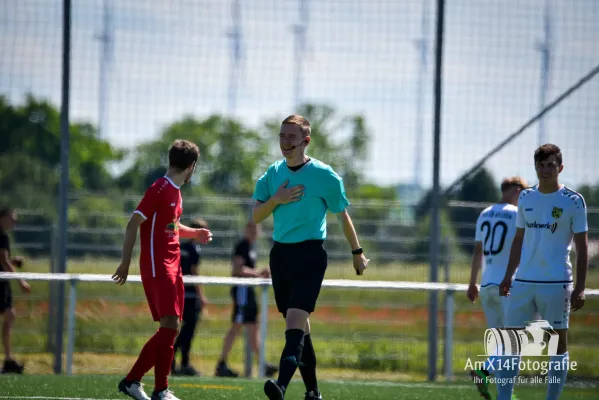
[161, 207]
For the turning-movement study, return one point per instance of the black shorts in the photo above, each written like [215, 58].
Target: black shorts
[5, 296]
[191, 310]
[245, 308]
[297, 272]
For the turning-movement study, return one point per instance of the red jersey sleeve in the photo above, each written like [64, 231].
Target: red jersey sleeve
[149, 203]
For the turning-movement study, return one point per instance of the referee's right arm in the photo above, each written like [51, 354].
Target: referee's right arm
[263, 209]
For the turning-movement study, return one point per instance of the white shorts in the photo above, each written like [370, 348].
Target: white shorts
[529, 301]
[494, 306]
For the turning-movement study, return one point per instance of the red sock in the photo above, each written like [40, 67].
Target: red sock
[145, 361]
[163, 357]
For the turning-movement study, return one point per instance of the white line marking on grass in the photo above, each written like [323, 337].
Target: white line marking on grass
[444, 385]
[53, 398]
[401, 384]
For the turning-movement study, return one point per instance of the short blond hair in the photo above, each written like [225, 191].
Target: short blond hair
[513, 181]
[300, 121]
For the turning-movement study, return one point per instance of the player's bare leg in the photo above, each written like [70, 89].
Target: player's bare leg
[222, 369]
[169, 327]
[296, 320]
[557, 376]
[10, 365]
[9, 317]
[131, 385]
[151, 355]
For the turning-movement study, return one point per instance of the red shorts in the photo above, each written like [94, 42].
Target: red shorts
[166, 296]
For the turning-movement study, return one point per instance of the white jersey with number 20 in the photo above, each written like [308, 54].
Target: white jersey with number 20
[495, 229]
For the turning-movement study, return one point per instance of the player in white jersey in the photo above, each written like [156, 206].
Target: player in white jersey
[495, 229]
[550, 215]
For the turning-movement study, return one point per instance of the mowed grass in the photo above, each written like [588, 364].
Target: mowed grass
[104, 387]
[380, 333]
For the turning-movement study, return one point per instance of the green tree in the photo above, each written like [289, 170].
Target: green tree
[33, 130]
[231, 155]
[30, 169]
[420, 249]
[591, 197]
[480, 187]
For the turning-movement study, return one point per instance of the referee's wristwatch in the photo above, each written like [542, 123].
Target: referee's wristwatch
[357, 251]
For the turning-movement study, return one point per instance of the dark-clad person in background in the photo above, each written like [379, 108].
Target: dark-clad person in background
[8, 219]
[195, 300]
[245, 306]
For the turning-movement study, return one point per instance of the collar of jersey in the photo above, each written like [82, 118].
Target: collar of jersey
[171, 182]
[302, 168]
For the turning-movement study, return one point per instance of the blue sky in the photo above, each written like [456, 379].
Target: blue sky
[172, 58]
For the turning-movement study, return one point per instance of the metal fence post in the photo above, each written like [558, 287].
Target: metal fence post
[449, 303]
[53, 295]
[248, 353]
[435, 198]
[263, 329]
[71, 326]
[64, 179]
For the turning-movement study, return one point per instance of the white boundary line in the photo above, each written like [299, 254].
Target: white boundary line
[54, 398]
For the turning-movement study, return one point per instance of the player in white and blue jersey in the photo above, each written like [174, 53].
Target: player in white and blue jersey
[550, 217]
[495, 230]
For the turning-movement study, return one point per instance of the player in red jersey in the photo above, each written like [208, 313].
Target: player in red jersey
[157, 216]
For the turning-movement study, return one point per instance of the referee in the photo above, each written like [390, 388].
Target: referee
[299, 191]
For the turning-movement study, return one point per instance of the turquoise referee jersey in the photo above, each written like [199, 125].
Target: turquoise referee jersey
[304, 219]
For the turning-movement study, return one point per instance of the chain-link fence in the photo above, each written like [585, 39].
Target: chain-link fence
[225, 73]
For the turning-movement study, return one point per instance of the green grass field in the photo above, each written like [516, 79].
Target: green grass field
[358, 334]
[104, 388]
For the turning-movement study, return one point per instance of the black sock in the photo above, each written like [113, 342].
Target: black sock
[185, 358]
[308, 366]
[291, 356]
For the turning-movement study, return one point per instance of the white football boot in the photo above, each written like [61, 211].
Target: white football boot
[134, 390]
[166, 394]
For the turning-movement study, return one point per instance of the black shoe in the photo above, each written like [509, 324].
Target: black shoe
[273, 390]
[313, 396]
[223, 370]
[188, 370]
[481, 380]
[12, 367]
[270, 370]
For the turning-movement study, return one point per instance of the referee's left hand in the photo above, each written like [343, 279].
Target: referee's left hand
[360, 263]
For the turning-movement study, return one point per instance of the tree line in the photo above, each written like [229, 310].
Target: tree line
[233, 155]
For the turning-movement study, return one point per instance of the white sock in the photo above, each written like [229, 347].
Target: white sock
[557, 376]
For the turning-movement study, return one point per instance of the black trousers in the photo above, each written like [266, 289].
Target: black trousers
[5, 296]
[191, 316]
